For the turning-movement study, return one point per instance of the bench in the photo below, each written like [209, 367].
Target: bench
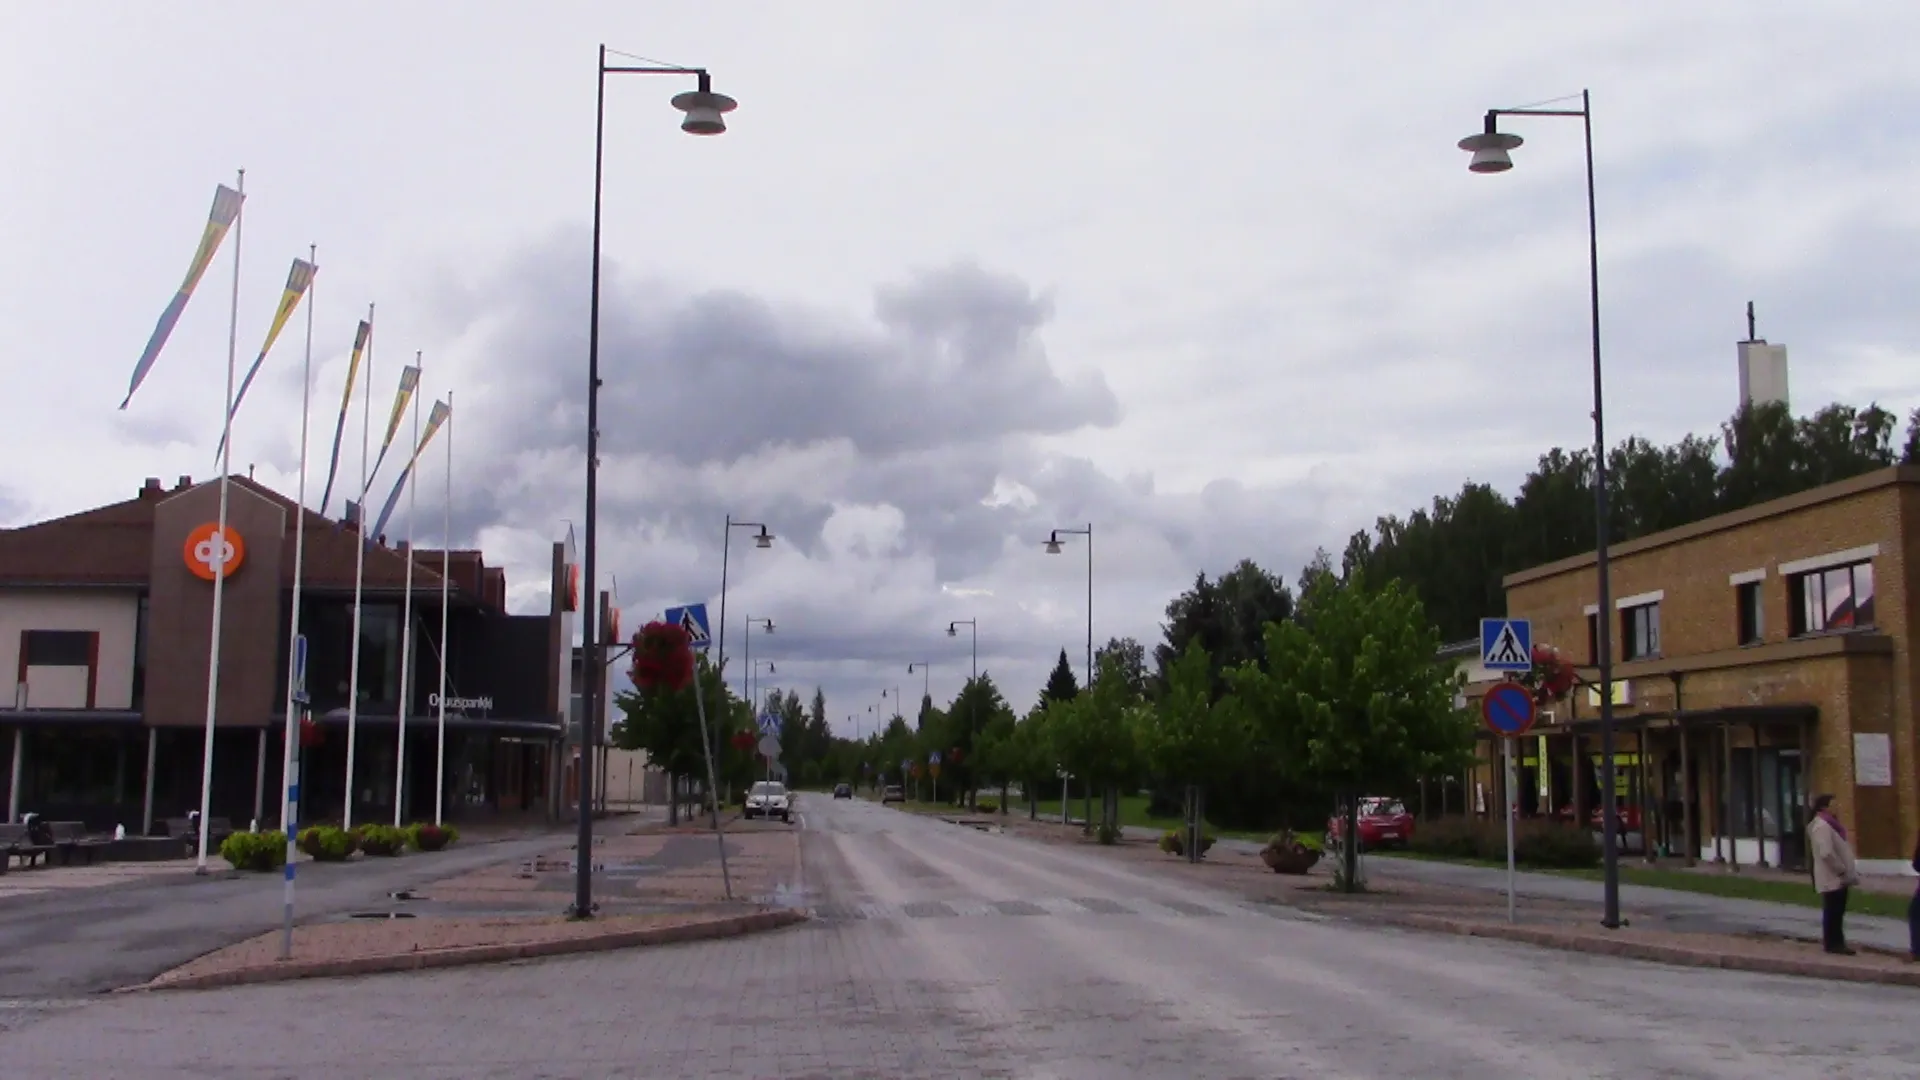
[15, 843]
[218, 829]
[71, 838]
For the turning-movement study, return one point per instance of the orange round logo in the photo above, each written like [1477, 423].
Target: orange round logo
[209, 554]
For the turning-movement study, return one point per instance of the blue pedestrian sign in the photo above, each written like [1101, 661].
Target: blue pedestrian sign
[933, 758]
[300, 696]
[693, 619]
[770, 723]
[1506, 644]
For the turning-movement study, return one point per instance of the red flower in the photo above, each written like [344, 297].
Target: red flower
[311, 733]
[743, 741]
[953, 756]
[662, 657]
[1552, 677]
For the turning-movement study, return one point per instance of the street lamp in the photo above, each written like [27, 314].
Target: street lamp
[762, 540]
[1053, 548]
[704, 113]
[953, 630]
[926, 672]
[746, 675]
[897, 702]
[1490, 148]
[757, 666]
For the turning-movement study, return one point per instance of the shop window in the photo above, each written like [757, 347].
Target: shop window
[58, 648]
[1747, 604]
[1640, 631]
[1837, 598]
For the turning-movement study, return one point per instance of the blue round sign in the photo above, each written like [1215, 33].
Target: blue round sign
[1508, 709]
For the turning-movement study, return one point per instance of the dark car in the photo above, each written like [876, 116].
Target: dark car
[842, 791]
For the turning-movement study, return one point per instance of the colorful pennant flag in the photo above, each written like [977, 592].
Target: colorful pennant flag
[409, 381]
[441, 410]
[298, 279]
[226, 210]
[360, 339]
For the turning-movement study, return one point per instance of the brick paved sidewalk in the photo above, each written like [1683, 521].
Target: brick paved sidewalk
[1481, 913]
[651, 884]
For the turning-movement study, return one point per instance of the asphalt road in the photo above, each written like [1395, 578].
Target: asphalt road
[941, 951]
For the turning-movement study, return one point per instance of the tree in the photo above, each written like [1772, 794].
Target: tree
[666, 724]
[977, 706]
[1061, 685]
[1185, 736]
[1131, 656]
[1224, 617]
[1361, 703]
[1093, 734]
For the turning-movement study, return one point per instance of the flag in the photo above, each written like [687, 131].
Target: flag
[360, 338]
[441, 410]
[226, 208]
[409, 380]
[298, 279]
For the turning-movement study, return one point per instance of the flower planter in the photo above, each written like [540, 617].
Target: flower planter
[1295, 859]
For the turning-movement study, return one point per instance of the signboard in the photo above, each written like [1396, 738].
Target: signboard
[1873, 760]
[769, 747]
[483, 703]
[300, 696]
[1506, 644]
[693, 619]
[933, 758]
[209, 553]
[1508, 709]
[770, 724]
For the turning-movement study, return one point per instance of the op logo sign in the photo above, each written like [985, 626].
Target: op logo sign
[209, 554]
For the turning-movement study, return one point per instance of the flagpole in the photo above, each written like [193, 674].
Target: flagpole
[406, 625]
[220, 543]
[359, 575]
[446, 572]
[290, 780]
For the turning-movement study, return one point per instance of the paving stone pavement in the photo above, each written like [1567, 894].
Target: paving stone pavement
[946, 952]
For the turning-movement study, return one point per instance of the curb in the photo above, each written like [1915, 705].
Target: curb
[1664, 954]
[730, 926]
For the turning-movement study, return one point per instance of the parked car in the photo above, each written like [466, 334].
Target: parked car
[1383, 823]
[843, 791]
[769, 798]
[892, 793]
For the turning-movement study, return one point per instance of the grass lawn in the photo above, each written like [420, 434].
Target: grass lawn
[1797, 893]
[1133, 812]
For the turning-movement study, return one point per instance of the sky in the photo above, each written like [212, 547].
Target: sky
[1212, 278]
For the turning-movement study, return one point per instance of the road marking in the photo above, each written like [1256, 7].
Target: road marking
[1099, 908]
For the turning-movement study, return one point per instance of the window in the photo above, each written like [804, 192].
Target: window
[58, 648]
[1640, 631]
[1747, 603]
[1837, 598]
[140, 654]
[1593, 637]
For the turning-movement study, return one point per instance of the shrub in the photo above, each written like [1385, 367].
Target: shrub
[328, 843]
[1174, 842]
[380, 839]
[987, 806]
[257, 851]
[1453, 838]
[426, 836]
[1544, 844]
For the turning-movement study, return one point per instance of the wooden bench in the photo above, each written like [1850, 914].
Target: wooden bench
[71, 838]
[15, 843]
[218, 829]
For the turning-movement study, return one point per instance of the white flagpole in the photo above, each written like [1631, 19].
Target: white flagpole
[289, 780]
[219, 543]
[406, 622]
[359, 574]
[446, 573]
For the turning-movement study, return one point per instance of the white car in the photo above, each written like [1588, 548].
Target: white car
[769, 798]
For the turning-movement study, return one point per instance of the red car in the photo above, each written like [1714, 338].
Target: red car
[1383, 823]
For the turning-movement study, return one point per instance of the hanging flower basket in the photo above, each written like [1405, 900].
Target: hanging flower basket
[311, 733]
[954, 755]
[743, 741]
[662, 657]
[1552, 677]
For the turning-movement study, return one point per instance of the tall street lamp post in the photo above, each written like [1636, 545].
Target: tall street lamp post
[1490, 149]
[746, 675]
[758, 666]
[1053, 548]
[926, 673]
[704, 114]
[762, 540]
[953, 630]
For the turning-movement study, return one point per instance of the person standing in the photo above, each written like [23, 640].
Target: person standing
[1834, 873]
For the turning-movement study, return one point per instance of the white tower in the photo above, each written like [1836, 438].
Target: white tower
[1763, 368]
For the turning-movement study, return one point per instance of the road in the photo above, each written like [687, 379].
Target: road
[942, 951]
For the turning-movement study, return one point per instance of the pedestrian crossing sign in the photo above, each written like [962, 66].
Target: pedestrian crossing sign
[693, 619]
[1506, 644]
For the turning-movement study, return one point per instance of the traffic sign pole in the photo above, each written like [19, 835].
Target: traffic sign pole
[1513, 809]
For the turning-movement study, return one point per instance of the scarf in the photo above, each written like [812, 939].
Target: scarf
[1839, 829]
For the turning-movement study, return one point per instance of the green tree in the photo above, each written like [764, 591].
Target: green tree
[1132, 659]
[1093, 735]
[1186, 737]
[1360, 703]
[666, 725]
[1225, 617]
[1061, 685]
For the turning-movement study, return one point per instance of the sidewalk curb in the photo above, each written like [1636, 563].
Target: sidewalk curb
[1664, 954]
[730, 926]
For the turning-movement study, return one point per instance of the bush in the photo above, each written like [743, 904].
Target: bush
[426, 836]
[987, 806]
[1174, 842]
[1543, 844]
[380, 839]
[328, 843]
[257, 851]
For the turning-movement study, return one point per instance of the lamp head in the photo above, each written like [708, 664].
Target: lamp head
[911, 669]
[1053, 542]
[764, 540]
[1489, 150]
[705, 110]
[769, 625]
[953, 629]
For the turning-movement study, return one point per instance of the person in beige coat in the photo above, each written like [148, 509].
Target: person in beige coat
[1834, 872]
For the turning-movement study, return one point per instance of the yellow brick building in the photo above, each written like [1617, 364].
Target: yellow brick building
[1760, 657]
